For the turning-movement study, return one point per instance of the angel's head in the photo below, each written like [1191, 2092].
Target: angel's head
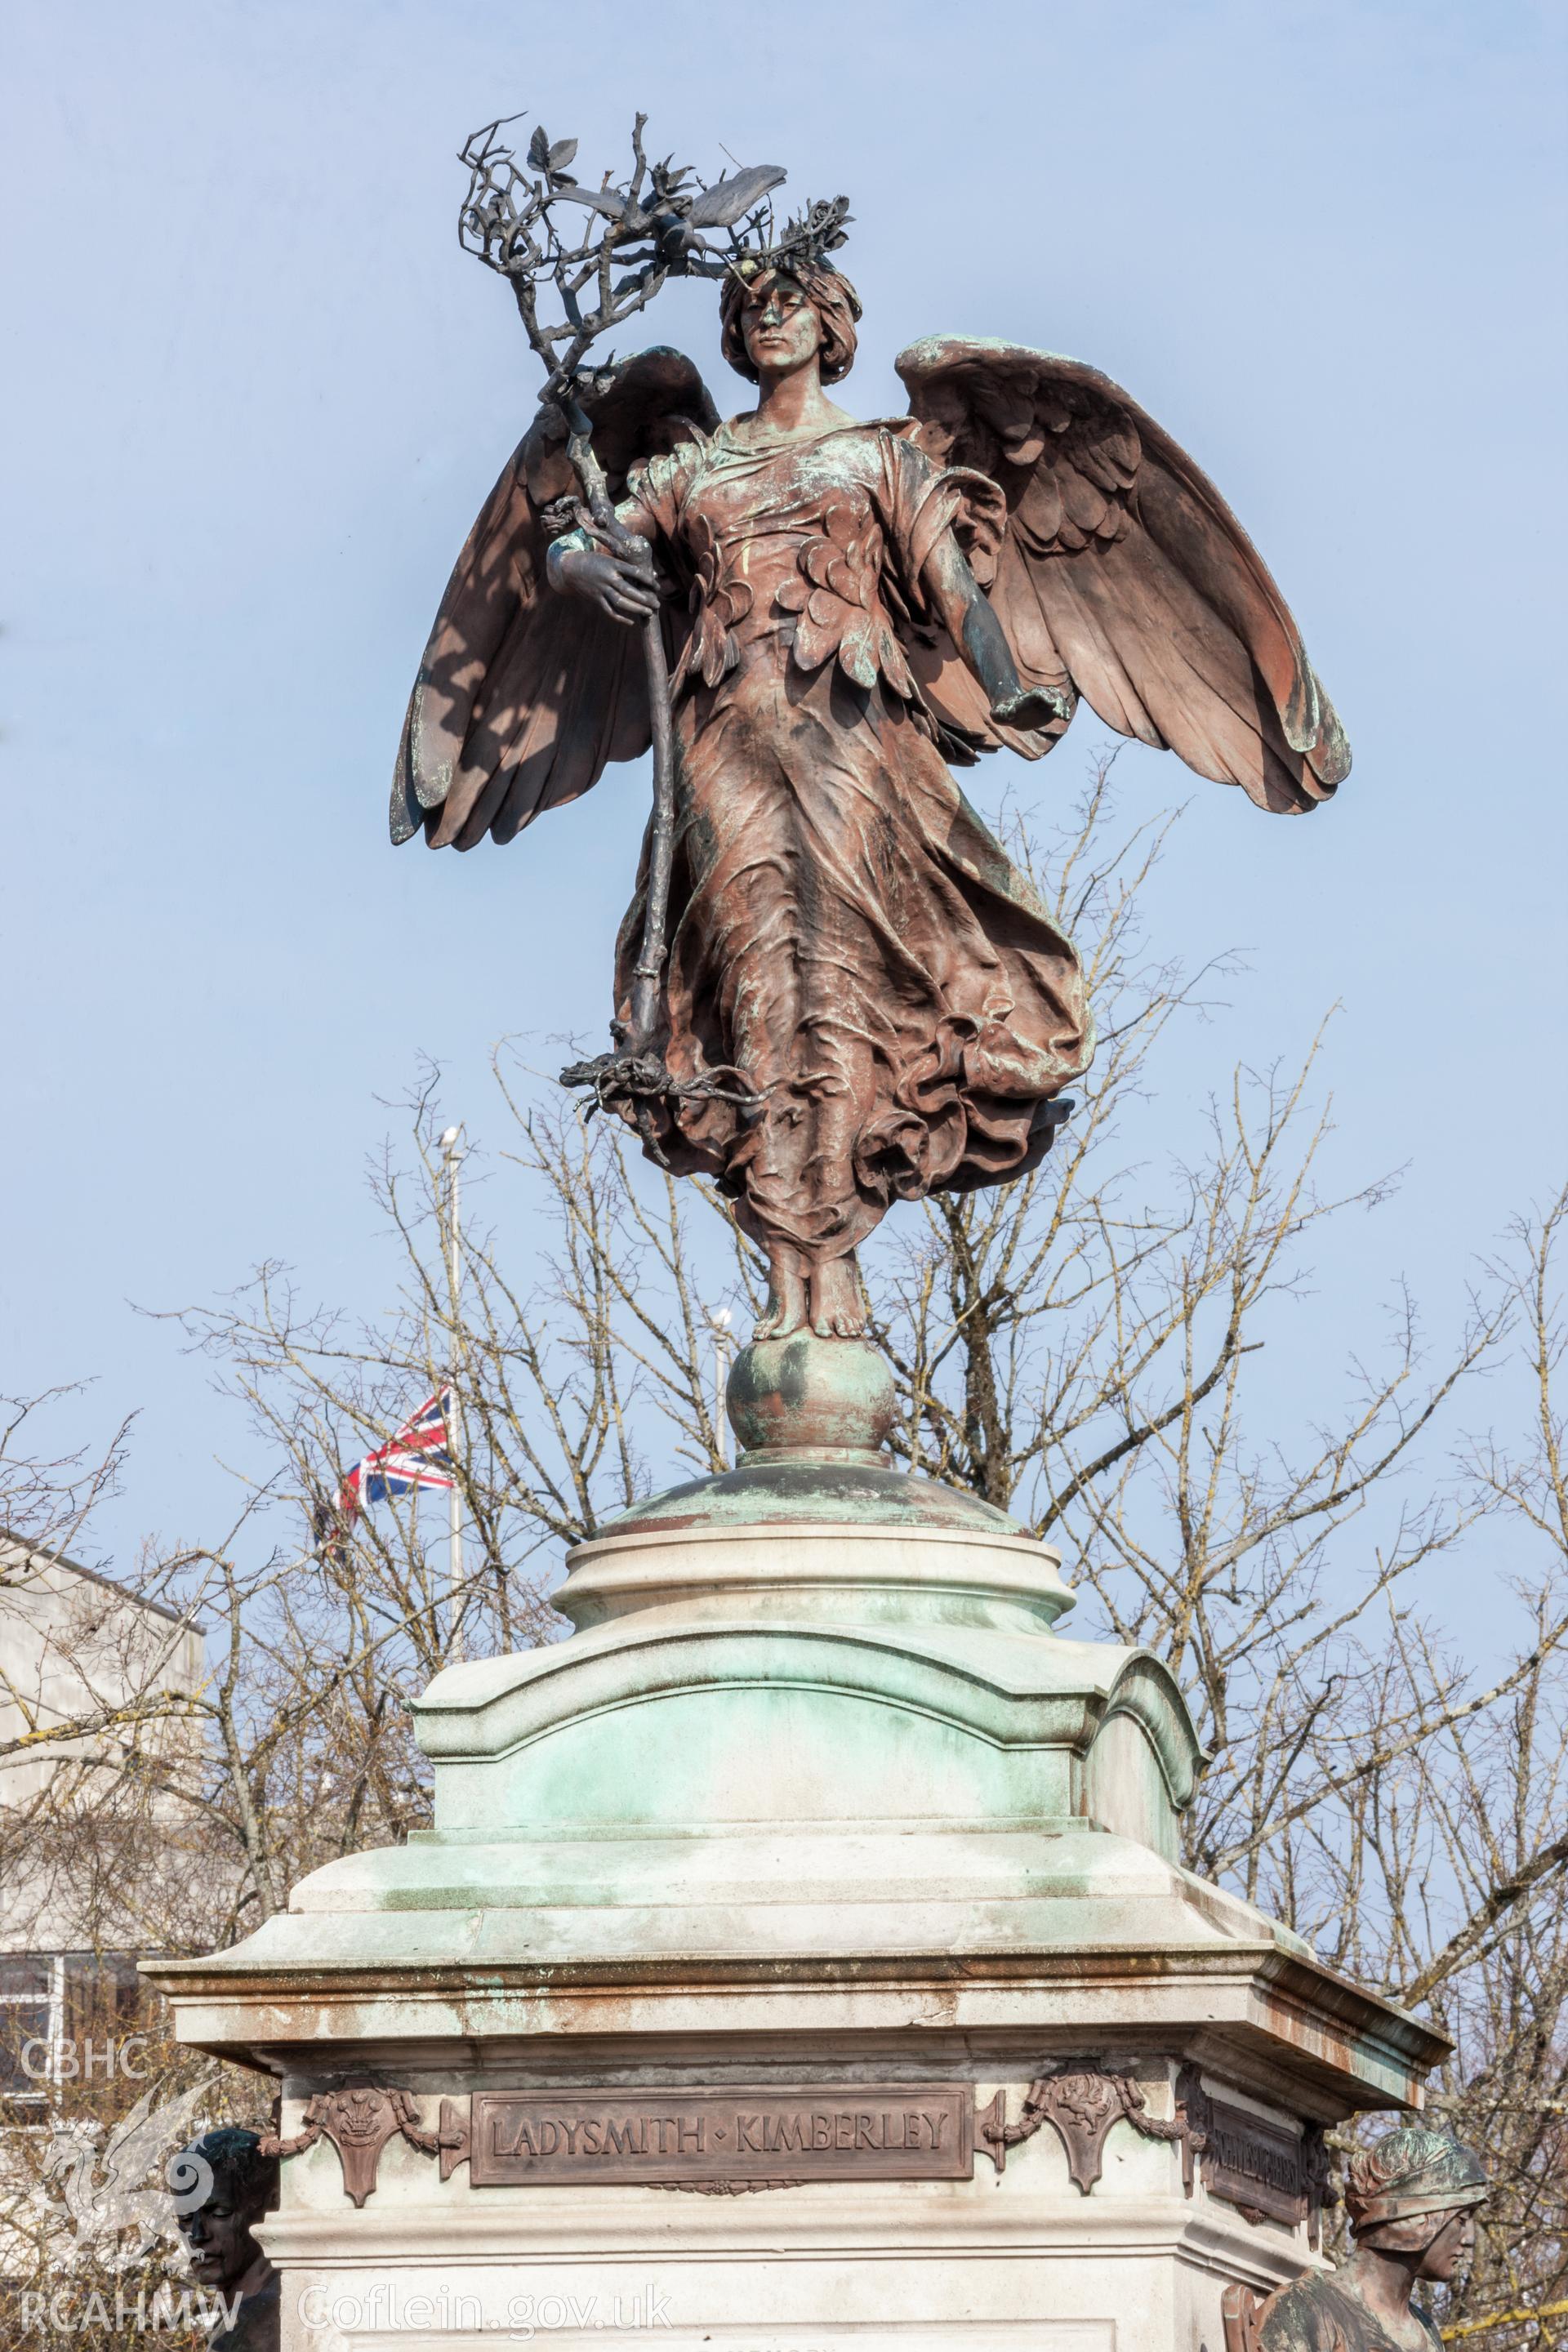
[779, 320]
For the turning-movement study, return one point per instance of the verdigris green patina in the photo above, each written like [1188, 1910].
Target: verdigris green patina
[814, 1814]
[800, 1394]
[814, 1794]
[813, 1418]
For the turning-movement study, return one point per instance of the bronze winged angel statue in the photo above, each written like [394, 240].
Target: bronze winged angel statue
[862, 999]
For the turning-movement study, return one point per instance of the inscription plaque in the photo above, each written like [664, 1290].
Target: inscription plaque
[864, 2131]
[1253, 2165]
[1265, 2170]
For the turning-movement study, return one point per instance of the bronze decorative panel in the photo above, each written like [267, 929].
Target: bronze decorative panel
[1266, 2170]
[728, 2138]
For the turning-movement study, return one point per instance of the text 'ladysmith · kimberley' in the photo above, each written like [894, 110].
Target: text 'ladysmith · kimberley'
[878, 2131]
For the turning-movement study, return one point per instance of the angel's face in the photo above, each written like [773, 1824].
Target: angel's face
[780, 326]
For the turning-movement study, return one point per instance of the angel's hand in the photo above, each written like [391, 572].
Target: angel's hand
[622, 586]
[1029, 708]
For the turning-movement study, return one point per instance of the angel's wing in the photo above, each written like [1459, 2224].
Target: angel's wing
[1124, 576]
[523, 696]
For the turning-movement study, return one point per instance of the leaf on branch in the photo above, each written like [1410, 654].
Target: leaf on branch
[731, 198]
[611, 202]
[551, 156]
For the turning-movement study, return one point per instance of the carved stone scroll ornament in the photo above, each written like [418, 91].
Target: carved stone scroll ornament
[359, 2120]
[1081, 2101]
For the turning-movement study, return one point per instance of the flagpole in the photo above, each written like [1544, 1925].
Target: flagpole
[452, 1159]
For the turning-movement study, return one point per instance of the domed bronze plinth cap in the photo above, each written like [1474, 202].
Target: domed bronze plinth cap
[812, 1419]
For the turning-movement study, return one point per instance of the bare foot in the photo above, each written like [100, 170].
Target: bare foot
[836, 1312]
[787, 1298]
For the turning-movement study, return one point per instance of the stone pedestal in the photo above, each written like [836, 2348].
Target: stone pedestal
[799, 1958]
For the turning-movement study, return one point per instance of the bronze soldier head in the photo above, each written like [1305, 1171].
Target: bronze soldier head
[1415, 2193]
[243, 2188]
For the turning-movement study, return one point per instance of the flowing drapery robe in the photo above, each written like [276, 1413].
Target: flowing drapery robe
[846, 938]
[1313, 2314]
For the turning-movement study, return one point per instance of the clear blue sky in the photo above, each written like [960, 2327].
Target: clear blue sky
[254, 396]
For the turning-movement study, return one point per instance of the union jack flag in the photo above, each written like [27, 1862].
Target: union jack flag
[417, 1455]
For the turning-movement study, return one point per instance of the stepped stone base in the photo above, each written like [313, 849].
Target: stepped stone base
[800, 1959]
